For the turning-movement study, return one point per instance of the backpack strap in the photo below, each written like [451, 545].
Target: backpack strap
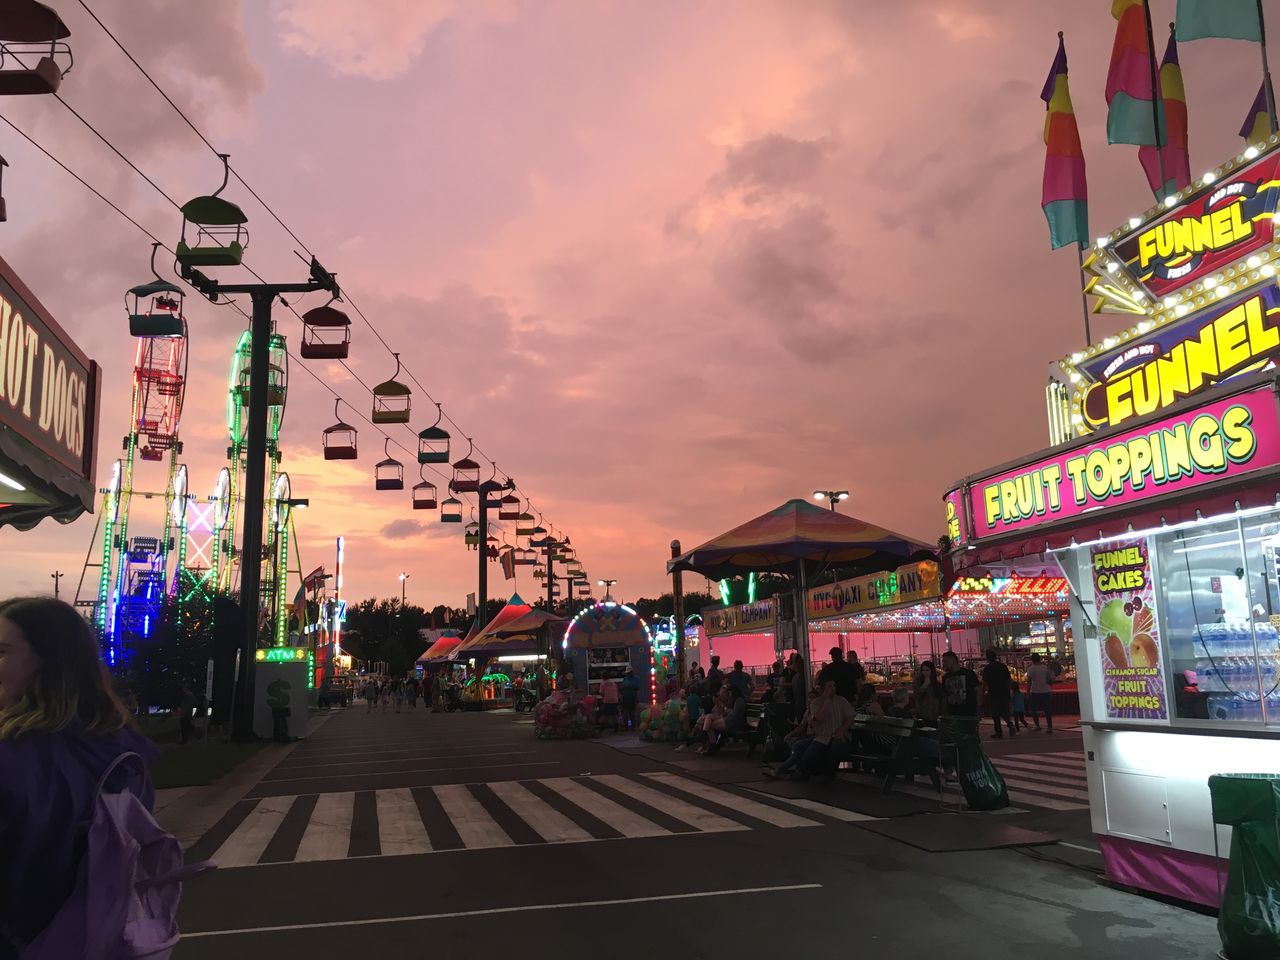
[127, 757]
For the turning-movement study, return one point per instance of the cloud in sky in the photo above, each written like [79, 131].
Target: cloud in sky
[668, 267]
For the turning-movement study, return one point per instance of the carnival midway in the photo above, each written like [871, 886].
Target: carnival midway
[1045, 723]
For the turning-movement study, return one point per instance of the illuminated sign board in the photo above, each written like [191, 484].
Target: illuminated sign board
[741, 618]
[281, 654]
[1009, 586]
[1226, 438]
[954, 501]
[1223, 221]
[908, 584]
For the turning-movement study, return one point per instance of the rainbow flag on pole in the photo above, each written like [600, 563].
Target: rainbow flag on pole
[1064, 195]
[1231, 19]
[1177, 161]
[1130, 117]
[1257, 125]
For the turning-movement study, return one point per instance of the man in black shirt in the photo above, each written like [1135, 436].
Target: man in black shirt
[960, 686]
[996, 682]
[715, 677]
[844, 674]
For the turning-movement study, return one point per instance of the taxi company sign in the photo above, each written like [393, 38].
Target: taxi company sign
[1181, 359]
[45, 382]
[1225, 221]
[908, 584]
[1226, 438]
[742, 618]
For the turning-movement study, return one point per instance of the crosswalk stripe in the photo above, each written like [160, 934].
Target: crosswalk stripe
[246, 843]
[1043, 789]
[329, 832]
[760, 811]
[826, 809]
[549, 823]
[473, 823]
[615, 815]
[1047, 776]
[400, 827]
[1048, 763]
[704, 820]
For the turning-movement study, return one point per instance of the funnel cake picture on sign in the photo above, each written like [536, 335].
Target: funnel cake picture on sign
[1133, 681]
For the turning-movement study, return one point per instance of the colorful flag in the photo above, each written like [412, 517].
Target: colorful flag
[1231, 19]
[1130, 114]
[508, 561]
[1176, 159]
[1065, 195]
[1257, 125]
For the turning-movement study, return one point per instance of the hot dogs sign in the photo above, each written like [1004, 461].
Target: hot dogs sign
[1133, 681]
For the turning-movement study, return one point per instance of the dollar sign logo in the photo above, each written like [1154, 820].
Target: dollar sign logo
[278, 694]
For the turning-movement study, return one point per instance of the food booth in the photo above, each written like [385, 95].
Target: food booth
[602, 641]
[49, 401]
[1160, 502]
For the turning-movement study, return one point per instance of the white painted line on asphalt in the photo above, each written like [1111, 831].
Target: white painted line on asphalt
[548, 822]
[1064, 778]
[1046, 763]
[602, 808]
[1040, 788]
[527, 908]
[695, 816]
[1077, 846]
[760, 811]
[826, 809]
[400, 773]
[400, 827]
[250, 839]
[475, 827]
[434, 756]
[328, 833]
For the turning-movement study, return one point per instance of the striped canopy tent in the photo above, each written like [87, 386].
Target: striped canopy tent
[441, 649]
[487, 641]
[801, 538]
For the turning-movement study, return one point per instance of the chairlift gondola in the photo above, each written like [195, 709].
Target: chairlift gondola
[525, 558]
[451, 510]
[424, 494]
[30, 29]
[156, 310]
[388, 474]
[509, 508]
[218, 237]
[466, 473]
[392, 400]
[525, 524]
[326, 334]
[471, 535]
[433, 442]
[339, 440]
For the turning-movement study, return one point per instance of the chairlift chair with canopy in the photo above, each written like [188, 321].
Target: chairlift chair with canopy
[213, 231]
[388, 474]
[510, 508]
[392, 400]
[326, 334]
[525, 558]
[339, 440]
[451, 510]
[466, 473]
[471, 535]
[424, 494]
[156, 310]
[433, 442]
[27, 30]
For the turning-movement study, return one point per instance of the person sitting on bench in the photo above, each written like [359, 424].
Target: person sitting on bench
[832, 717]
[797, 741]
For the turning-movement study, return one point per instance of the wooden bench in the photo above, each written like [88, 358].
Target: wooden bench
[888, 744]
[755, 731]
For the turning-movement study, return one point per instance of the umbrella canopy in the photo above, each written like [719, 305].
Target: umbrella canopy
[478, 640]
[799, 530]
[441, 648]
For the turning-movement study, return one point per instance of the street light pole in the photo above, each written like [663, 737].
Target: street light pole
[404, 577]
[57, 575]
[608, 585]
[831, 496]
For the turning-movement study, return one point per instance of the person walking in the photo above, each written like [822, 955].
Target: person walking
[996, 682]
[384, 691]
[960, 687]
[61, 727]
[715, 677]
[629, 693]
[1040, 689]
[413, 692]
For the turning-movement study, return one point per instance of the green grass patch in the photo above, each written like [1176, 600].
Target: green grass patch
[199, 763]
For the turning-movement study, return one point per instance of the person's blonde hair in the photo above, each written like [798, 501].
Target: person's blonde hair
[71, 685]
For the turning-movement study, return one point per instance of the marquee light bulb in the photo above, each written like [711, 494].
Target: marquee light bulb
[1112, 267]
[1208, 177]
[1170, 201]
[1250, 153]
[1135, 222]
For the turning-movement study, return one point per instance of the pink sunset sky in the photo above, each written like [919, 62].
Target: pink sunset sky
[670, 263]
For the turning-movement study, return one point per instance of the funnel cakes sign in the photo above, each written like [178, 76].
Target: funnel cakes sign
[1133, 681]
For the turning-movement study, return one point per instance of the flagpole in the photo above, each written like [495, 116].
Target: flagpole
[1266, 70]
[1084, 301]
[1155, 93]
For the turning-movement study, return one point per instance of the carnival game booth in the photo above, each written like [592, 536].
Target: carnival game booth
[1168, 528]
[513, 652]
[602, 641]
[488, 685]
[49, 414]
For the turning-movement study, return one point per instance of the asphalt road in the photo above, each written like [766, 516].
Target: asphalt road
[461, 835]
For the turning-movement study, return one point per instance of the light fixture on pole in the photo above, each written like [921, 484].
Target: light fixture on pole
[831, 496]
[607, 584]
[403, 577]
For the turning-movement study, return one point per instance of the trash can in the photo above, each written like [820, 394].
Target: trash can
[1249, 915]
[984, 788]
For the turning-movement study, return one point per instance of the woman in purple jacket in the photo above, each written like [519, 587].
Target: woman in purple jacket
[60, 727]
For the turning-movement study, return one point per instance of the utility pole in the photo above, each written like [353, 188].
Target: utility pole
[677, 597]
[57, 575]
[490, 488]
[263, 297]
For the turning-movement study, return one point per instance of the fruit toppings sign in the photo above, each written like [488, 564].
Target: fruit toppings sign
[1132, 678]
